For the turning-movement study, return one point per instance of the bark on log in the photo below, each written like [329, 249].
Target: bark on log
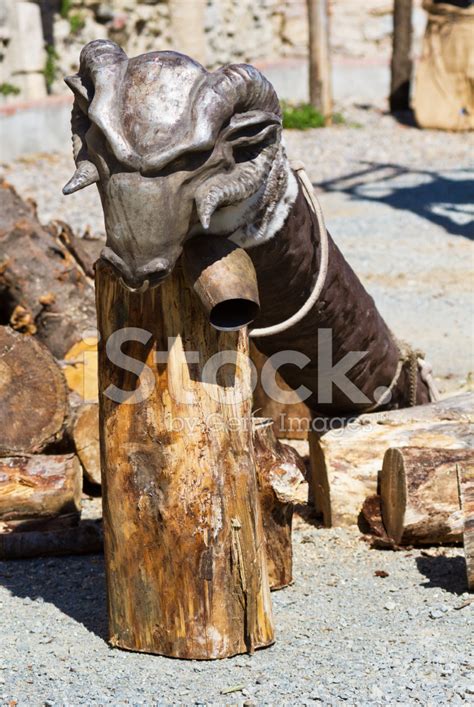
[85, 539]
[291, 421]
[36, 490]
[86, 440]
[345, 462]
[401, 64]
[44, 289]
[185, 555]
[280, 470]
[419, 494]
[33, 393]
[466, 487]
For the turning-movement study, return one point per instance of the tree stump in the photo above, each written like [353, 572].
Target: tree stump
[184, 545]
[346, 460]
[466, 487]
[419, 495]
[280, 470]
[34, 400]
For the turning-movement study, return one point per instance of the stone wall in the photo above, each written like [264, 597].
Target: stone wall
[213, 31]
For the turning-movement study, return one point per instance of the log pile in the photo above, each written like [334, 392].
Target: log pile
[46, 305]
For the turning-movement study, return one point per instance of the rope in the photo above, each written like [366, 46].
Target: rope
[315, 207]
[417, 364]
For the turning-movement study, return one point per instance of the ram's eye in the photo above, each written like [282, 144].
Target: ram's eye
[249, 141]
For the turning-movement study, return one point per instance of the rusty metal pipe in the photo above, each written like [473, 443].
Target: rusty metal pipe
[224, 278]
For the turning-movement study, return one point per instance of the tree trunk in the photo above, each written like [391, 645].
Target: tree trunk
[466, 487]
[345, 462]
[401, 66]
[44, 288]
[320, 92]
[33, 393]
[86, 440]
[419, 494]
[39, 491]
[185, 559]
[291, 421]
[280, 470]
[84, 539]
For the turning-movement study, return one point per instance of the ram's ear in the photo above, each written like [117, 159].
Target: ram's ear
[82, 89]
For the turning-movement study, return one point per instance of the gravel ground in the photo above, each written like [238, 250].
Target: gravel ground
[395, 201]
[345, 636]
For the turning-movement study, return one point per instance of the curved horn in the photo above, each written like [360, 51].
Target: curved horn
[95, 55]
[86, 172]
[252, 91]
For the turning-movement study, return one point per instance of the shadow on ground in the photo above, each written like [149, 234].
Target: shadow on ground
[448, 573]
[443, 199]
[75, 585]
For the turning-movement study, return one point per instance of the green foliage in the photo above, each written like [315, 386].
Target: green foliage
[8, 89]
[50, 67]
[65, 8]
[76, 23]
[301, 116]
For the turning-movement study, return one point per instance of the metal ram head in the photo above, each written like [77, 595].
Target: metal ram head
[175, 151]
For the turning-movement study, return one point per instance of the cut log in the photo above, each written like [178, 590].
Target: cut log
[33, 393]
[44, 289]
[185, 552]
[86, 440]
[280, 470]
[291, 421]
[345, 461]
[419, 495]
[38, 490]
[85, 539]
[466, 487]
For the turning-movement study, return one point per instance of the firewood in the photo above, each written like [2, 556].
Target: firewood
[279, 473]
[44, 289]
[33, 393]
[345, 461]
[184, 545]
[292, 420]
[419, 494]
[84, 539]
[86, 440]
[37, 490]
[466, 487]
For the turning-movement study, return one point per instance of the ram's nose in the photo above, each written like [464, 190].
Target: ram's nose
[140, 278]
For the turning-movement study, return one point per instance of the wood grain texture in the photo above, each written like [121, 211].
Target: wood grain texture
[39, 488]
[33, 394]
[419, 494]
[279, 473]
[184, 546]
[345, 462]
[85, 432]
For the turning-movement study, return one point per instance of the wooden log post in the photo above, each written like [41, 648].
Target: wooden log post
[466, 488]
[320, 90]
[280, 470]
[401, 64]
[184, 546]
[419, 493]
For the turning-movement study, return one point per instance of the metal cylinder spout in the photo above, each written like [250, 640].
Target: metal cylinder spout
[224, 278]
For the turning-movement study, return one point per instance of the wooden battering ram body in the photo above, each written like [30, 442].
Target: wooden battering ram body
[182, 158]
